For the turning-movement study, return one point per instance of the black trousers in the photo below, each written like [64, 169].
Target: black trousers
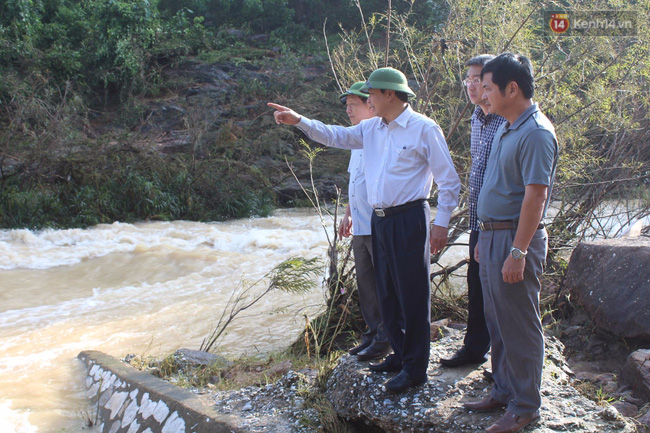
[477, 337]
[402, 259]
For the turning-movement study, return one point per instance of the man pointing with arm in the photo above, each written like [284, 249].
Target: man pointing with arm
[404, 152]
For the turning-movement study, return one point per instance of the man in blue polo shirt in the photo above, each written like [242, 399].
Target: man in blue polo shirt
[513, 242]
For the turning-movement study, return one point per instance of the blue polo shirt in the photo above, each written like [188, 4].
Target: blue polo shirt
[523, 153]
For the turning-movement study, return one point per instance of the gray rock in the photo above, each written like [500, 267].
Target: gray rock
[280, 369]
[260, 38]
[439, 329]
[626, 409]
[636, 373]
[234, 33]
[198, 357]
[437, 405]
[276, 407]
[164, 118]
[644, 422]
[610, 280]
[609, 413]
[290, 192]
[633, 400]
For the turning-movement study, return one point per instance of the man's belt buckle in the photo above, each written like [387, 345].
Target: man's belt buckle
[380, 213]
[481, 226]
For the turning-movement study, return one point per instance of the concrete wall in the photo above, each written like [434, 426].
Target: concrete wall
[132, 401]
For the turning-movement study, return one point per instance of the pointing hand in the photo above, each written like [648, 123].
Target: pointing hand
[284, 114]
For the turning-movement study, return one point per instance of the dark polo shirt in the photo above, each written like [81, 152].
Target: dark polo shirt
[523, 153]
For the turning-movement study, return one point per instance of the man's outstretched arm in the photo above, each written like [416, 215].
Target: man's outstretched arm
[330, 135]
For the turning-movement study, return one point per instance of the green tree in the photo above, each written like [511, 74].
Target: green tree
[117, 47]
[594, 89]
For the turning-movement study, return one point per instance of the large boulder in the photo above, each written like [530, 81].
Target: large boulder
[610, 279]
[437, 406]
[636, 373]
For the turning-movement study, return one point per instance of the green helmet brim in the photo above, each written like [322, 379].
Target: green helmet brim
[385, 85]
[353, 92]
[354, 89]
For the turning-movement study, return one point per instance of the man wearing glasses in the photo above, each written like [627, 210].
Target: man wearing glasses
[484, 125]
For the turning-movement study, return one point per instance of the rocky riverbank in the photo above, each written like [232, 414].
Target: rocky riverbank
[593, 380]
[582, 360]
[357, 396]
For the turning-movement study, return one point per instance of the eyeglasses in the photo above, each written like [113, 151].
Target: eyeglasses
[469, 81]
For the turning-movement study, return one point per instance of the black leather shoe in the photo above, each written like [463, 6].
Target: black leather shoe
[388, 365]
[358, 348]
[402, 382]
[371, 353]
[462, 357]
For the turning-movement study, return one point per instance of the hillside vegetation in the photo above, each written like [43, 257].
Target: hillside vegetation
[134, 110]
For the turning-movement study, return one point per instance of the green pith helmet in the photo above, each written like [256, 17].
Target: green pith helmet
[388, 79]
[354, 89]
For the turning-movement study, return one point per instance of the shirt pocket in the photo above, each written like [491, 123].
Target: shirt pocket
[404, 159]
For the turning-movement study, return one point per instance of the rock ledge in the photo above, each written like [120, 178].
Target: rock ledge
[436, 406]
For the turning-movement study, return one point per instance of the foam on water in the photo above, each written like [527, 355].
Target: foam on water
[146, 288]
[13, 421]
[49, 248]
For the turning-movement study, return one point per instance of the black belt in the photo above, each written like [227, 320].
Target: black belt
[501, 225]
[397, 209]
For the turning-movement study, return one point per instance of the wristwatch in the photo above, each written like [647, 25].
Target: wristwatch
[517, 254]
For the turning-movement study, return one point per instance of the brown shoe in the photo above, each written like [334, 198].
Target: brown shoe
[486, 405]
[512, 423]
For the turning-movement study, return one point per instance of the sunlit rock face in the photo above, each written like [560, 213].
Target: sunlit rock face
[437, 406]
[610, 279]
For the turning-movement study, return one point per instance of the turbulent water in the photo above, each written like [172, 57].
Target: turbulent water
[147, 289]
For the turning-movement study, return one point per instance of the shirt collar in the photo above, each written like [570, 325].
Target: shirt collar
[524, 116]
[480, 115]
[402, 119]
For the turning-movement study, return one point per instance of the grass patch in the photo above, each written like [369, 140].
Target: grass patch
[237, 55]
[594, 392]
[228, 374]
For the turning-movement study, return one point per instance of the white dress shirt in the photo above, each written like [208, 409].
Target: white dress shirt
[360, 209]
[402, 159]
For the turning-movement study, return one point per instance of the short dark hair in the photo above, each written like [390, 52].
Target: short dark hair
[508, 67]
[402, 96]
[479, 60]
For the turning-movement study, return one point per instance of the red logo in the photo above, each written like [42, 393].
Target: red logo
[559, 23]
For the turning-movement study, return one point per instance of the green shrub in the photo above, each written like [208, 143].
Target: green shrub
[135, 188]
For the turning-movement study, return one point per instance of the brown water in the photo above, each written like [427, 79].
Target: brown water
[145, 288]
